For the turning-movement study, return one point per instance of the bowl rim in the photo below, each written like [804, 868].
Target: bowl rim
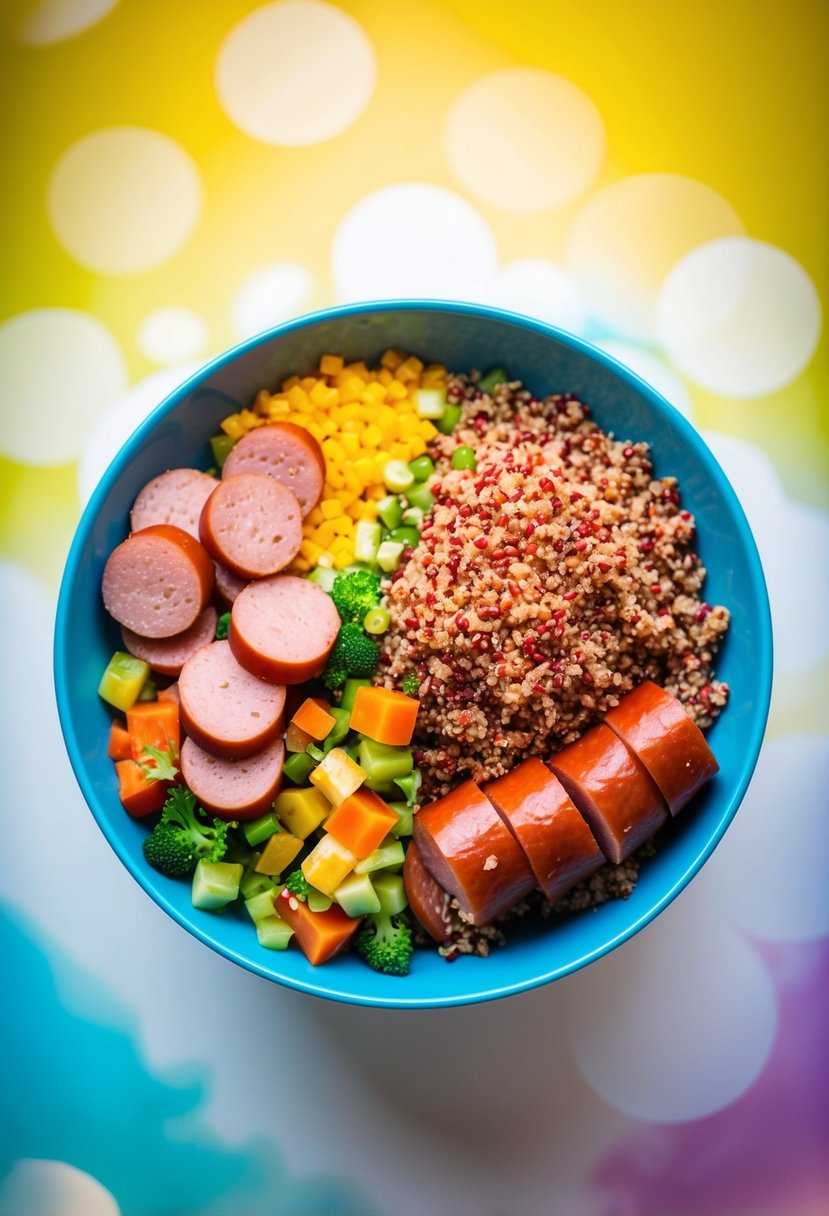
[702, 452]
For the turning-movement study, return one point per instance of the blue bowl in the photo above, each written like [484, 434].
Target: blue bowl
[461, 336]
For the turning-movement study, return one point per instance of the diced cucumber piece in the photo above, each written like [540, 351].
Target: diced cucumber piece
[423, 467]
[323, 576]
[382, 763]
[494, 377]
[398, 476]
[254, 883]
[350, 689]
[386, 855]
[274, 933]
[405, 819]
[124, 677]
[451, 418]
[391, 892]
[389, 554]
[430, 402]
[261, 905]
[420, 496]
[390, 510]
[221, 446]
[413, 517]
[356, 895]
[257, 830]
[405, 535]
[318, 902]
[298, 767]
[215, 883]
[367, 538]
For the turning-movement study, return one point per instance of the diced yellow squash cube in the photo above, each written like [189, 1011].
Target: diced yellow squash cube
[350, 445]
[330, 365]
[289, 383]
[410, 369]
[308, 382]
[373, 393]
[330, 508]
[233, 427]
[392, 359]
[417, 446]
[324, 534]
[319, 393]
[344, 559]
[316, 430]
[350, 389]
[279, 408]
[299, 399]
[372, 436]
[301, 811]
[358, 369]
[334, 477]
[278, 853]
[397, 391]
[407, 425]
[346, 497]
[384, 376]
[343, 526]
[427, 430]
[398, 451]
[311, 551]
[327, 864]
[340, 544]
[315, 516]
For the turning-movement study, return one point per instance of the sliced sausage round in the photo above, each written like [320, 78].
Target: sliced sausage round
[559, 845]
[158, 581]
[428, 901]
[283, 628]
[657, 729]
[233, 789]
[167, 656]
[468, 850]
[175, 497]
[613, 791]
[226, 709]
[284, 451]
[251, 524]
[228, 586]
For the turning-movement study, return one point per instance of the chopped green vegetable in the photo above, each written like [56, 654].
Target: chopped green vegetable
[385, 943]
[384, 856]
[323, 576]
[391, 892]
[274, 933]
[411, 684]
[421, 497]
[354, 654]
[422, 467]
[124, 677]
[405, 535]
[215, 884]
[222, 626]
[382, 764]
[410, 785]
[298, 884]
[451, 418]
[356, 896]
[354, 593]
[297, 767]
[350, 689]
[258, 830]
[180, 838]
[376, 620]
[405, 819]
[398, 476]
[463, 457]
[367, 537]
[221, 446]
[162, 767]
[389, 554]
[390, 510]
[430, 402]
[494, 377]
[413, 517]
[149, 692]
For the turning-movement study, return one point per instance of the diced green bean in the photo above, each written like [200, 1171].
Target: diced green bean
[221, 446]
[390, 510]
[451, 418]
[420, 496]
[350, 692]
[422, 467]
[382, 763]
[413, 517]
[257, 830]
[494, 377]
[298, 767]
[405, 535]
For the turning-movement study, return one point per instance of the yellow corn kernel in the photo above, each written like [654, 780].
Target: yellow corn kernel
[332, 450]
[318, 392]
[299, 399]
[289, 383]
[344, 559]
[350, 444]
[372, 436]
[311, 550]
[434, 369]
[343, 526]
[373, 393]
[278, 408]
[262, 401]
[407, 425]
[353, 427]
[392, 359]
[325, 533]
[346, 497]
[410, 369]
[308, 382]
[233, 427]
[314, 428]
[300, 565]
[354, 483]
[376, 492]
[334, 478]
[427, 430]
[364, 469]
[399, 451]
[417, 446]
[278, 853]
[358, 369]
[350, 389]
[384, 376]
[315, 516]
[330, 365]
[339, 545]
[397, 391]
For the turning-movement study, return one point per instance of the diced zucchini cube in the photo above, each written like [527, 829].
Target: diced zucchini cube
[389, 554]
[367, 537]
[356, 895]
[405, 819]
[430, 402]
[318, 902]
[123, 679]
[389, 853]
[337, 776]
[274, 933]
[391, 892]
[258, 830]
[261, 905]
[216, 883]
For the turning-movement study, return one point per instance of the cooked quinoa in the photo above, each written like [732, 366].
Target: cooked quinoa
[548, 582]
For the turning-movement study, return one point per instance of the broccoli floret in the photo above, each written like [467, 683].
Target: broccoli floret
[411, 685]
[180, 839]
[297, 884]
[354, 593]
[354, 654]
[385, 943]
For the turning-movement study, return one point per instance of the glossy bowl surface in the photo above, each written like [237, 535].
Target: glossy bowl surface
[461, 336]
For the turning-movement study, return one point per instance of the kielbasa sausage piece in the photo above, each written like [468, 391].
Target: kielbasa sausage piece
[284, 451]
[657, 729]
[427, 900]
[167, 656]
[226, 709]
[613, 791]
[282, 629]
[175, 497]
[158, 581]
[469, 851]
[233, 789]
[252, 525]
[556, 839]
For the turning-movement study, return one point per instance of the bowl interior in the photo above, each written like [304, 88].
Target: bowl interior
[461, 336]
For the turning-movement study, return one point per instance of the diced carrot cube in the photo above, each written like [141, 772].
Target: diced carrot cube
[141, 795]
[361, 822]
[153, 724]
[321, 935]
[120, 747]
[385, 715]
[312, 718]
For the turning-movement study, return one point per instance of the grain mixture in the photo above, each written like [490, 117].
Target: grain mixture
[548, 581]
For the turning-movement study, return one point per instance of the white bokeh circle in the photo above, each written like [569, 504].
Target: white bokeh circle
[739, 316]
[295, 72]
[789, 535]
[126, 411]
[122, 200]
[629, 235]
[172, 334]
[525, 139]
[413, 239]
[678, 1022]
[270, 294]
[770, 868]
[42, 1187]
[59, 368]
[655, 370]
[541, 289]
[52, 21]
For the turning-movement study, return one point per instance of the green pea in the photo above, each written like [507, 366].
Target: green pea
[376, 620]
[463, 457]
[449, 419]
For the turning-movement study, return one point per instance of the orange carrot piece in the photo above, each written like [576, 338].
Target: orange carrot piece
[361, 822]
[120, 747]
[140, 794]
[313, 718]
[320, 935]
[385, 715]
[170, 693]
[297, 740]
[153, 724]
